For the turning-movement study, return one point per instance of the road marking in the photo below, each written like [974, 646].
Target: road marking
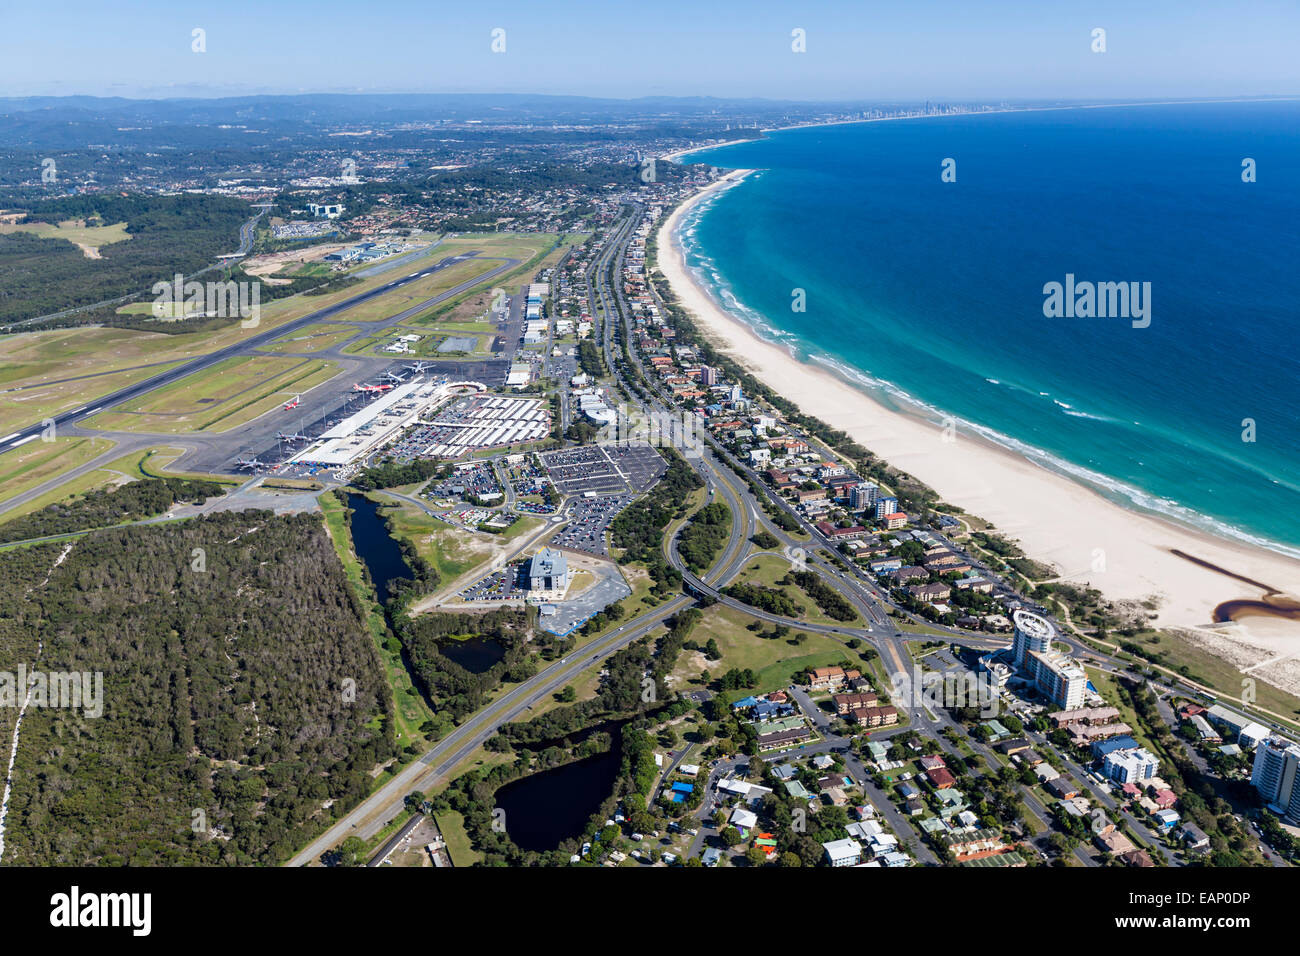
[22, 441]
[7, 437]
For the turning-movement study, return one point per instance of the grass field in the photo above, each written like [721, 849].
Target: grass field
[112, 474]
[64, 392]
[88, 237]
[360, 345]
[134, 466]
[411, 294]
[313, 338]
[773, 660]
[1177, 652]
[452, 826]
[450, 550]
[49, 359]
[768, 569]
[36, 462]
[430, 339]
[533, 250]
[228, 394]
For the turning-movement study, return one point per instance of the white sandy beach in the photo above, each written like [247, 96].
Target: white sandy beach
[1055, 519]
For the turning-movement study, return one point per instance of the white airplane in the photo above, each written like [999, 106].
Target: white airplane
[249, 464]
[371, 388]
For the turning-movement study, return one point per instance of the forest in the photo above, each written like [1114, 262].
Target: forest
[452, 689]
[101, 507]
[620, 699]
[390, 474]
[638, 529]
[704, 535]
[244, 705]
[169, 234]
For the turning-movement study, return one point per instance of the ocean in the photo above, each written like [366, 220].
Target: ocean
[931, 294]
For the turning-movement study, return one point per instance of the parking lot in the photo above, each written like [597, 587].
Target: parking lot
[485, 421]
[638, 462]
[604, 469]
[477, 481]
[325, 406]
[589, 519]
[562, 617]
[578, 470]
[502, 585]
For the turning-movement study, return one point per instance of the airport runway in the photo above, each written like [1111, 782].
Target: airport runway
[222, 448]
[253, 343]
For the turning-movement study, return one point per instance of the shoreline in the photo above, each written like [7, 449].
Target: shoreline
[1055, 519]
[673, 156]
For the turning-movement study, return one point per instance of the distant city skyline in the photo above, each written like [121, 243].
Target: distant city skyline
[852, 51]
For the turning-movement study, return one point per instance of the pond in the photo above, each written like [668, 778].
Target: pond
[376, 547]
[475, 654]
[544, 809]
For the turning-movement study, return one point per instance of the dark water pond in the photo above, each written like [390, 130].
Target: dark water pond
[376, 547]
[544, 809]
[476, 654]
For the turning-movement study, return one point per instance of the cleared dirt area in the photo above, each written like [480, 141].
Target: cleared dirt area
[286, 261]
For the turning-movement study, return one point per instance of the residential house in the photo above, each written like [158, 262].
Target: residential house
[843, 852]
[1194, 837]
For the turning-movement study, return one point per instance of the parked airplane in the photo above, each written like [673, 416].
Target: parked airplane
[294, 403]
[249, 464]
[371, 388]
[292, 437]
[419, 367]
[394, 377]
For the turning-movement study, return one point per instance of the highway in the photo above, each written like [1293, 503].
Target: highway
[379, 809]
[373, 814]
[426, 773]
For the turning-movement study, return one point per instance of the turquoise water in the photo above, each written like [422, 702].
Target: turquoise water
[932, 294]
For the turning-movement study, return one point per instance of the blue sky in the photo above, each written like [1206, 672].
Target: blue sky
[864, 50]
